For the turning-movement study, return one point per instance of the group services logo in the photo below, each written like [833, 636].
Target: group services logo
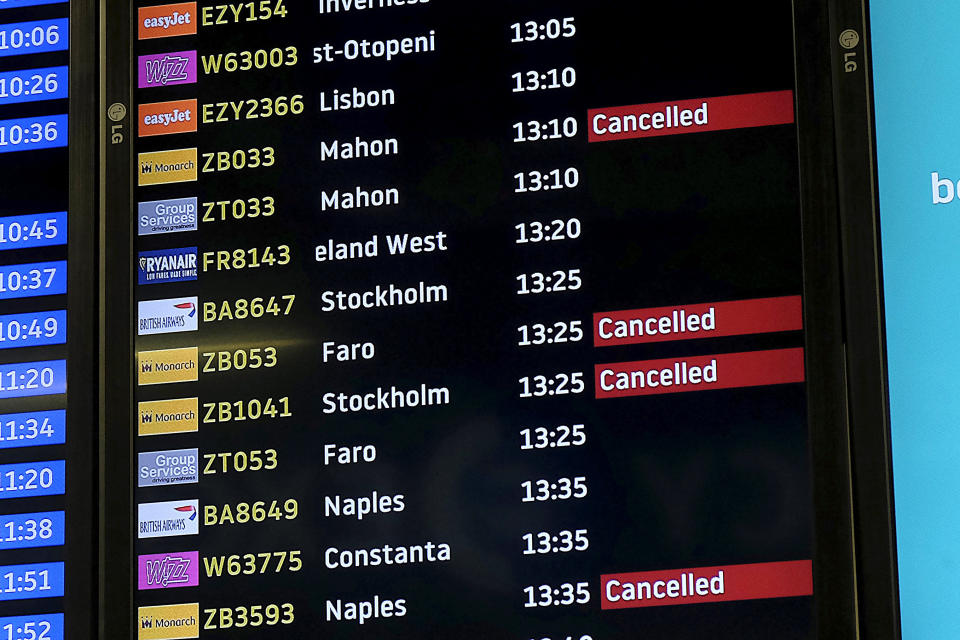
[168, 519]
[172, 315]
[169, 622]
[169, 570]
[160, 417]
[165, 468]
[167, 216]
[167, 265]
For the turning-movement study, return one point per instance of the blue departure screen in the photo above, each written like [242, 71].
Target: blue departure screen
[35, 217]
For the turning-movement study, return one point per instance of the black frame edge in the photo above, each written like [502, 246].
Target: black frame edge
[116, 285]
[873, 495]
[834, 583]
[80, 606]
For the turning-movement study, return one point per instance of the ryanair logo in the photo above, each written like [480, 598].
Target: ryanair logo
[160, 417]
[167, 265]
[167, 365]
[167, 167]
[169, 622]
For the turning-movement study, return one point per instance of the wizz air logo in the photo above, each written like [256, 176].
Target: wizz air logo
[168, 69]
[172, 570]
[169, 570]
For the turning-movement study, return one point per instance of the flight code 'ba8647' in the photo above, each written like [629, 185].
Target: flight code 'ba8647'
[245, 308]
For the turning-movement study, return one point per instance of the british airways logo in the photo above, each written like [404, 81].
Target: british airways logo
[167, 69]
[173, 315]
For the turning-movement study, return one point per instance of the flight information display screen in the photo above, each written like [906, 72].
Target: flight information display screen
[34, 57]
[461, 321]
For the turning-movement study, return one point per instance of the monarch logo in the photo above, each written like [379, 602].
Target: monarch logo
[164, 118]
[168, 365]
[169, 570]
[173, 315]
[167, 167]
[169, 622]
[167, 265]
[168, 519]
[167, 216]
[166, 69]
[159, 417]
[168, 21]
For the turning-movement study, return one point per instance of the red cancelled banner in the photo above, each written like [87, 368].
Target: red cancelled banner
[688, 322]
[699, 373]
[707, 584]
[691, 116]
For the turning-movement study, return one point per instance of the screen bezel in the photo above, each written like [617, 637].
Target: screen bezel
[834, 587]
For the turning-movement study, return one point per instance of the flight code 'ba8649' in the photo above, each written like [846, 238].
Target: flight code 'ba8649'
[246, 512]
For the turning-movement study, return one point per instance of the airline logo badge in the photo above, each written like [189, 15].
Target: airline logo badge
[169, 622]
[167, 365]
[167, 167]
[165, 118]
[167, 69]
[168, 519]
[167, 216]
[167, 265]
[169, 570]
[168, 21]
[164, 468]
[173, 315]
[160, 417]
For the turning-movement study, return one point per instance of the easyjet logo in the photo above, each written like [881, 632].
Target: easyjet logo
[168, 20]
[164, 118]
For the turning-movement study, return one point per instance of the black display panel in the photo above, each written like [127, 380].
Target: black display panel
[455, 322]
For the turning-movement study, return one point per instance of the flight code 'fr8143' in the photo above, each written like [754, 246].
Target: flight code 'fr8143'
[237, 259]
[243, 410]
[246, 512]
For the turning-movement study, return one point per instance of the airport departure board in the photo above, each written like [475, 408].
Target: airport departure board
[34, 527]
[466, 321]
